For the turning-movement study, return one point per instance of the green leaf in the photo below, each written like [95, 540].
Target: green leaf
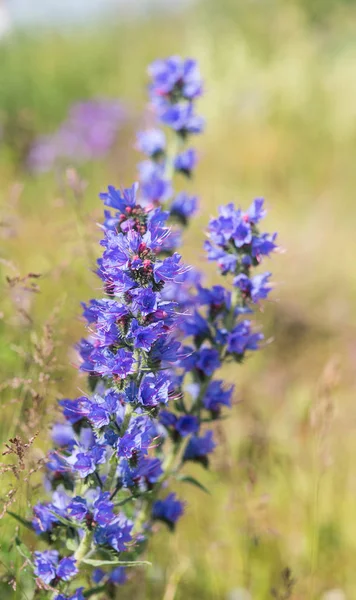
[123, 563]
[63, 520]
[23, 550]
[193, 481]
[23, 522]
[71, 544]
[96, 590]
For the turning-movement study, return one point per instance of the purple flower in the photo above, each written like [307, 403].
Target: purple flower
[241, 338]
[216, 396]
[169, 268]
[107, 363]
[186, 161]
[137, 438]
[168, 510]
[88, 133]
[181, 118]
[145, 336]
[256, 212]
[46, 564]
[208, 361]
[156, 189]
[263, 245]
[153, 390]
[67, 568]
[151, 142]
[184, 206]
[78, 508]
[144, 301]
[186, 425]
[199, 447]
[78, 595]
[103, 509]
[175, 75]
[122, 201]
[117, 534]
[256, 288]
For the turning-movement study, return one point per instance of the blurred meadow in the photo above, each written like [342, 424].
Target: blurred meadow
[280, 104]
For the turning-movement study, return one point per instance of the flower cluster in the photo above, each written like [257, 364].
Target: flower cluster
[175, 86]
[218, 330]
[88, 133]
[157, 339]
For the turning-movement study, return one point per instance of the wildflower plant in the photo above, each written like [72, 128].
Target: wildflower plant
[157, 339]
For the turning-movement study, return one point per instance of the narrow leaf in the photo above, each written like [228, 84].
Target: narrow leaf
[123, 563]
[23, 550]
[96, 590]
[193, 481]
[23, 522]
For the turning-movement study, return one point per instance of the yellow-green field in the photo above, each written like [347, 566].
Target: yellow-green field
[280, 103]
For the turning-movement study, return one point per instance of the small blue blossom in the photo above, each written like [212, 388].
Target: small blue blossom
[216, 396]
[199, 447]
[256, 288]
[184, 206]
[186, 161]
[241, 338]
[208, 361]
[46, 564]
[78, 595]
[67, 568]
[168, 510]
[175, 75]
[181, 118]
[151, 142]
[187, 425]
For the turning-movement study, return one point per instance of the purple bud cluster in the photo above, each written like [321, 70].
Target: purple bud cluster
[175, 86]
[157, 339]
[88, 133]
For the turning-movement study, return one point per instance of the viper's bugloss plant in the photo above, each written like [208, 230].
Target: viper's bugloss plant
[156, 341]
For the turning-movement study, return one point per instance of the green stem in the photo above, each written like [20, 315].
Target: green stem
[84, 547]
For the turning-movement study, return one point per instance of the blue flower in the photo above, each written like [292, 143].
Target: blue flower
[153, 390]
[216, 396]
[256, 212]
[184, 206]
[263, 245]
[145, 336]
[241, 338]
[175, 75]
[144, 301]
[67, 568]
[186, 425]
[181, 118]
[103, 509]
[120, 200]
[78, 595]
[168, 269]
[108, 364]
[254, 288]
[186, 161]
[168, 510]
[151, 142]
[137, 438]
[199, 447]
[46, 564]
[117, 534]
[208, 361]
[156, 189]
[78, 508]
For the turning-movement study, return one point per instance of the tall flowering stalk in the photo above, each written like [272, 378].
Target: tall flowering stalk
[152, 367]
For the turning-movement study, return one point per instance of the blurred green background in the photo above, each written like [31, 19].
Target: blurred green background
[280, 104]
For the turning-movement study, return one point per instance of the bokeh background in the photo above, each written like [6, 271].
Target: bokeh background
[280, 104]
